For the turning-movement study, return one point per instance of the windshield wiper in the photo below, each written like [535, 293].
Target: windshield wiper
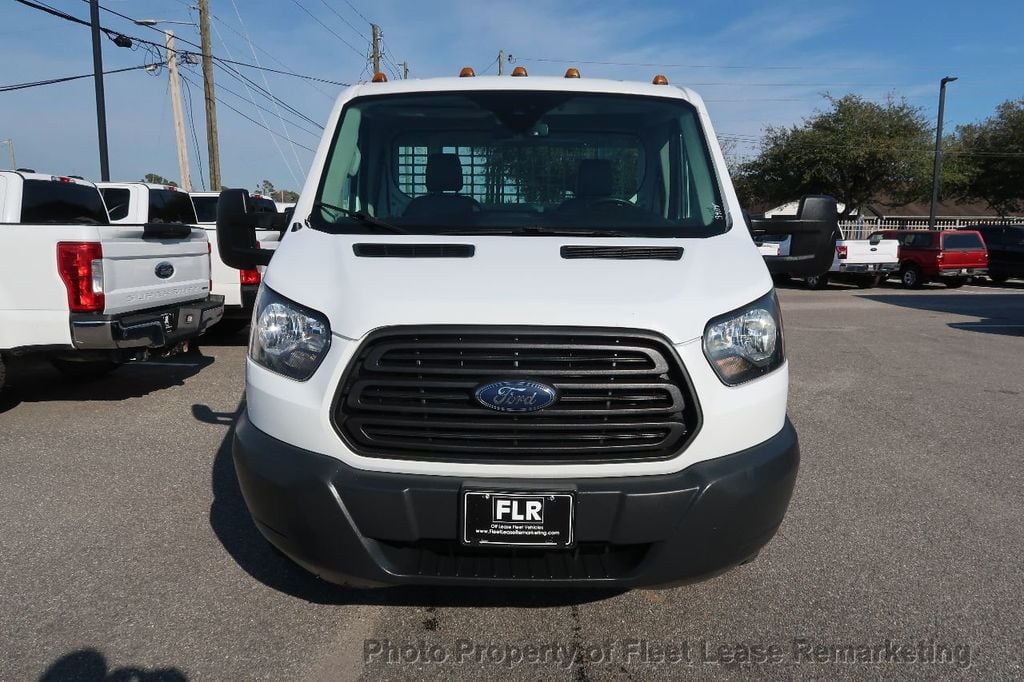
[362, 217]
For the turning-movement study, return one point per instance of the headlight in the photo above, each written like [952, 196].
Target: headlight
[287, 338]
[746, 343]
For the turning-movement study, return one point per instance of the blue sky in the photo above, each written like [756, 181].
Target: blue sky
[755, 64]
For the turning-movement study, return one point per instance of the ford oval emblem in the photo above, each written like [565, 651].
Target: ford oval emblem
[516, 396]
[164, 270]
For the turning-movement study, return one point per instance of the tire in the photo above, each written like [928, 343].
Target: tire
[910, 276]
[84, 370]
[816, 282]
[869, 282]
[998, 279]
[955, 282]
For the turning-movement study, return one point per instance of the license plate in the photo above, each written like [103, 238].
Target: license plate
[529, 519]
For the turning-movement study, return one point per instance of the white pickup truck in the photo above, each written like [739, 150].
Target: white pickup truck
[141, 202]
[865, 262]
[88, 295]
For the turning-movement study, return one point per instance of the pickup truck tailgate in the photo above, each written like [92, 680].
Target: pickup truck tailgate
[861, 251]
[146, 273]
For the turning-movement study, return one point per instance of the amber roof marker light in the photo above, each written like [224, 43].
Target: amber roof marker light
[572, 72]
[660, 80]
[520, 71]
[379, 77]
[467, 72]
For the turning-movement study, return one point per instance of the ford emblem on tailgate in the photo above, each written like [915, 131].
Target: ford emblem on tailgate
[164, 270]
[516, 396]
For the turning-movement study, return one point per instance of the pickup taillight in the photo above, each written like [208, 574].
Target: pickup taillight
[80, 265]
[842, 250]
[249, 276]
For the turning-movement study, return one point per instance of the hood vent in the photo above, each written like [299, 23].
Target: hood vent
[414, 250]
[624, 252]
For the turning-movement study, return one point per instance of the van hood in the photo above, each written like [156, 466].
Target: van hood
[518, 280]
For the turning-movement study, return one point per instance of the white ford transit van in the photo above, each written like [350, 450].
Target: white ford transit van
[518, 334]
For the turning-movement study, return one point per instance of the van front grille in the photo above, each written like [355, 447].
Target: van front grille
[410, 393]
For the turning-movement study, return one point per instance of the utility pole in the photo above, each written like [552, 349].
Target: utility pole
[213, 148]
[405, 70]
[179, 116]
[10, 148]
[101, 106]
[501, 62]
[375, 30]
[937, 163]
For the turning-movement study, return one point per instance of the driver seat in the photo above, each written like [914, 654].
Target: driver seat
[593, 182]
[444, 182]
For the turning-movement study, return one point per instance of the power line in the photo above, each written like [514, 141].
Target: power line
[112, 33]
[354, 9]
[347, 22]
[328, 28]
[754, 67]
[264, 51]
[277, 108]
[252, 120]
[192, 125]
[243, 97]
[65, 79]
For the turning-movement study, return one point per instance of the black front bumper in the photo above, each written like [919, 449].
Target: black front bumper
[154, 328]
[363, 528]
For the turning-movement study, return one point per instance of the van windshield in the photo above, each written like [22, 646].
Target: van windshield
[496, 162]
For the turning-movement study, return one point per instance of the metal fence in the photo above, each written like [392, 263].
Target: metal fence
[861, 228]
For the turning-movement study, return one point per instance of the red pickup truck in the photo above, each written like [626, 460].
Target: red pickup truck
[948, 256]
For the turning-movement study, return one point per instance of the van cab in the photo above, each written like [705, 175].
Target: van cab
[517, 334]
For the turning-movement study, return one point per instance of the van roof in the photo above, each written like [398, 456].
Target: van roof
[542, 83]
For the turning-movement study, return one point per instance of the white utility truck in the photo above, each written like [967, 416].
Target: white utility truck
[88, 295]
[517, 334]
[238, 287]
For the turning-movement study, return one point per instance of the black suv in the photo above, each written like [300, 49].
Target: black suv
[1005, 244]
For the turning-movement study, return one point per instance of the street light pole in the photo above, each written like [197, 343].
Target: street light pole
[101, 107]
[937, 163]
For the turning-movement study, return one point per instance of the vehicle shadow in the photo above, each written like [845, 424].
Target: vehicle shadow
[35, 380]
[234, 528]
[89, 665]
[1000, 313]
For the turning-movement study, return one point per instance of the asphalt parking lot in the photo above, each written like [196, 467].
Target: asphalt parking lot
[127, 550]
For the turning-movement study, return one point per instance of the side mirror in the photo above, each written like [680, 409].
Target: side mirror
[236, 231]
[813, 233]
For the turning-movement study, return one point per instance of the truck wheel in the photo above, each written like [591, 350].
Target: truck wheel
[816, 281]
[910, 276]
[869, 281]
[955, 282]
[84, 370]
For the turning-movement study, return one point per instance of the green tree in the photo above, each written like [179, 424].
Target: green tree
[857, 151]
[991, 159]
[158, 180]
